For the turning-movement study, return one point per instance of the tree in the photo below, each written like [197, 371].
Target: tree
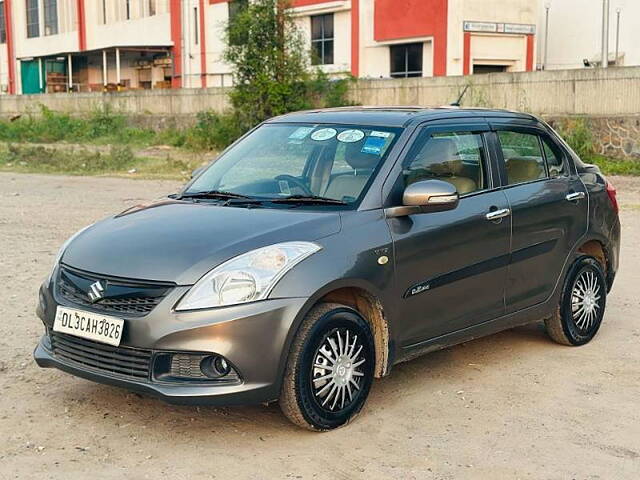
[270, 65]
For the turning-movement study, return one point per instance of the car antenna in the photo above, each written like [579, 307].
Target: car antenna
[457, 102]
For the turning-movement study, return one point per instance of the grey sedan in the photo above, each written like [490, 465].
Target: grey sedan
[323, 248]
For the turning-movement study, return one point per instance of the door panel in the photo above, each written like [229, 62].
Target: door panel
[546, 227]
[450, 266]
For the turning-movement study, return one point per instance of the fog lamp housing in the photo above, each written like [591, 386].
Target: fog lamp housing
[194, 368]
[215, 366]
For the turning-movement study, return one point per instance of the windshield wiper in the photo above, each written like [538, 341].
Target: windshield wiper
[215, 194]
[311, 199]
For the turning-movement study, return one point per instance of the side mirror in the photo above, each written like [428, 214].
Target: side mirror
[424, 197]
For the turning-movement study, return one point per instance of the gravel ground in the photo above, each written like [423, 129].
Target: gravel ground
[513, 405]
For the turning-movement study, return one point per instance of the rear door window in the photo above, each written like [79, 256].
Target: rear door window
[523, 156]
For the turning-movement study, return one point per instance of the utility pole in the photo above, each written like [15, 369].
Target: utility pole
[618, 10]
[605, 34]
[546, 37]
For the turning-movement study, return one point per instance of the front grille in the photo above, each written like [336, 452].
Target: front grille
[122, 361]
[123, 297]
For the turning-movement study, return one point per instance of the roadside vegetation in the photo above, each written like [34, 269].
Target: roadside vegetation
[103, 142]
[104, 127]
[121, 160]
[272, 76]
[578, 134]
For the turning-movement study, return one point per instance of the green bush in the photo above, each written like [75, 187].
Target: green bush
[270, 66]
[577, 133]
[211, 131]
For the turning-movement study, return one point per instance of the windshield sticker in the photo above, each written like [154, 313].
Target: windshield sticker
[351, 136]
[284, 187]
[301, 133]
[375, 133]
[374, 145]
[324, 134]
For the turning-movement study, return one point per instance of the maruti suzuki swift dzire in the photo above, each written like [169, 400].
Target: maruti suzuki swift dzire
[324, 247]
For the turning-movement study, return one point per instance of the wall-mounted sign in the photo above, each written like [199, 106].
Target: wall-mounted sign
[490, 27]
[480, 27]
[519, 28]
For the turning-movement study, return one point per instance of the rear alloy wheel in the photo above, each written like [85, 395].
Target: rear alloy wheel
[582, 306]
[330, 368]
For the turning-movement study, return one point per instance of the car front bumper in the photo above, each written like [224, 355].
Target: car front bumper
[254, 338]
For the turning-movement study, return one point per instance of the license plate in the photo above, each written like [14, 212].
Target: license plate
[92, 326]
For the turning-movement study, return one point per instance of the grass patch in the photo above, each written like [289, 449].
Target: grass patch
[578, 133]
[113, 160]
[105, 127]
[610, 166]
[106, 143]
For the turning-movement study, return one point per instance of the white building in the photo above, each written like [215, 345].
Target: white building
[106, 45]
[575, 33]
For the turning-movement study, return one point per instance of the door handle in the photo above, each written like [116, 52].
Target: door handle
[498, 214]
[572, 197]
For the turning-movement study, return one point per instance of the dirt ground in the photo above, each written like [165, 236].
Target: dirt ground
[513, 405]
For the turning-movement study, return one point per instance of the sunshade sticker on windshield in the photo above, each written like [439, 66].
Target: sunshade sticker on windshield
[301, 133]
[324, 134]
[375, 133]
[351, 136]
[374, 145]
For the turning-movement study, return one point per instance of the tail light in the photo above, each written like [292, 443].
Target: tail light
[611, 192]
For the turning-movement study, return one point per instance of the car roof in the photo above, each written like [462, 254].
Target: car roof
[400, 116]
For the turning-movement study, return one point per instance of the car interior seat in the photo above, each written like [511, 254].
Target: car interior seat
[351, 185]
[440, 160]
[523, 169]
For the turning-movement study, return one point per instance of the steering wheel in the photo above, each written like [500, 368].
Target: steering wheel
[296, 181]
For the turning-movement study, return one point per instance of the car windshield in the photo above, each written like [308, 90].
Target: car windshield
[298, 163]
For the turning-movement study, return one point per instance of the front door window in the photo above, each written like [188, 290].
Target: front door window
[455, 157]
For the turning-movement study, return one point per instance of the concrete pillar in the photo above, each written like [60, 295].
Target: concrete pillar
[40, 74]
[118, 67]
[104, 68]
[70, 71]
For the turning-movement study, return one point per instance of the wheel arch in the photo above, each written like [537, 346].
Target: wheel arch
[364, 299]
[597, 249]
[370, 308]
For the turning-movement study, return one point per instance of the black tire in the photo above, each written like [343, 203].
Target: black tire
[575, 321]
[302, 399]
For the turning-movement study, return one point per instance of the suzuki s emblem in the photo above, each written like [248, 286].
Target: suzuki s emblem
[96, 291]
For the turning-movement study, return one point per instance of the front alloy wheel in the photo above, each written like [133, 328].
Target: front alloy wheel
[330, 368]
[335, 375]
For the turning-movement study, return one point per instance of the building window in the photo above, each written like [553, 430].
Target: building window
[33, 23]
[128, 9]
[322, 39]
[488, 68]
[152, 7]
[3, 26]
[50, 17]
[104, 12]
[406, 60]
[195, 26]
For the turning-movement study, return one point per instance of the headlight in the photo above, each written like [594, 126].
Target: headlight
[246, 278]
[63, 248]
